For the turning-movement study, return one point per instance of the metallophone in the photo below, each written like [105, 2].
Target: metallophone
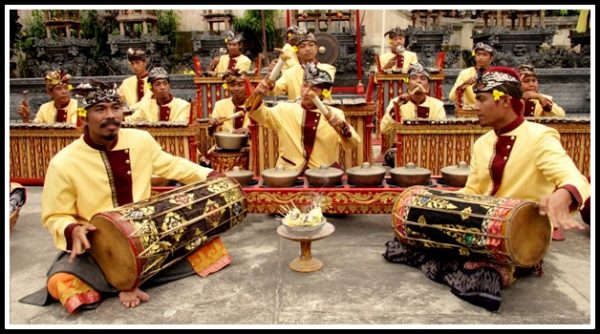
[32, 145]
[434, 144]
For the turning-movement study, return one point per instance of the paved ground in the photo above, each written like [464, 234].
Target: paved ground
[355, 288]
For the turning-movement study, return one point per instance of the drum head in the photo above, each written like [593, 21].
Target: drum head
[528, 235]
[114, 252]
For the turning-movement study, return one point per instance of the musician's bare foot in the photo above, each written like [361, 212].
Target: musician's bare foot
[133, 298]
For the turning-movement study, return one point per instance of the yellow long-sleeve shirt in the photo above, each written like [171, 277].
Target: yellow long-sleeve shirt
[226, 108]
[47, 113]
[291, 80]
[536, 164]
[409, 58]
[128, 90]
[468, 97]
[538, 111]
[81, 180]
[287, 119]
[293, 60]
[149, 110]
[243, 64]
[409, 111]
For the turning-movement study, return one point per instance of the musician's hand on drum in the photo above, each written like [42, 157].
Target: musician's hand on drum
[80, 240]
[556, 206]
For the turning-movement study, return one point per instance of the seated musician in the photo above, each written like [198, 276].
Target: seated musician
[397, 60]
[307, 138]
[292, 79]
[234, 59]
[62, 108]
[221, 117]
[161, 105]
[230, 114]
[113, 168]
[415, 103]
[463, 86]
[536, 103]
[516, 159]
[135, 87]
[291, 46]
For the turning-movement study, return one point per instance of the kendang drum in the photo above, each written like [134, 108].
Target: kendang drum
[504, 230]
[224, 160]
[136, 241]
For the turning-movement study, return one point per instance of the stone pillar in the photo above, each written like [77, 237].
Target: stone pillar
[144, 28]
[122, 28]
[466, 39]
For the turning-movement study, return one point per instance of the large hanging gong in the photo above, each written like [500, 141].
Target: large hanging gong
[329, 48]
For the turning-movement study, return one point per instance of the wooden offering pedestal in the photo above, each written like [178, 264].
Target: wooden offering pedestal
[306, 263]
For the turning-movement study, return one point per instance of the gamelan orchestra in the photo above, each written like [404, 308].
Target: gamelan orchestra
[139, 184]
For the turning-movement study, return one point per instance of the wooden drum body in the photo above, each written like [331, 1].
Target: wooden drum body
[135, 241]
[508, 231]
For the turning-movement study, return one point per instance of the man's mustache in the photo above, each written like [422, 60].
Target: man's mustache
[110, 122]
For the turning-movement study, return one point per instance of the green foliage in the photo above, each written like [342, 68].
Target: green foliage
[98, 27]
[562, 12]
[251, 26]
[33, 28]
[167, 23]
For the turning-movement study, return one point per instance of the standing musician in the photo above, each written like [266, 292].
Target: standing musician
[306, 140]
[135, 87]
[536, 103]
[234, 59]
[62, 108]
[113, 167]
[292, 79]
[484, 54]
[398, 59]
[516, 159]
